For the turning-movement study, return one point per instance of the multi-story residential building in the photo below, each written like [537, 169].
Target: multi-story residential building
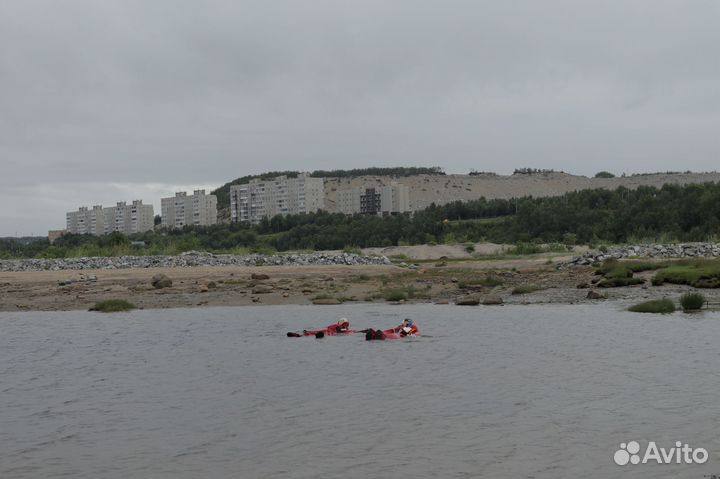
[258, 199]
[383, 200]
[86, 221]
[198, 209]
[127, 219]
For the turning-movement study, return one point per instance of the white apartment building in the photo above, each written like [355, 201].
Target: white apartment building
[383, 200]
[198, 209]
[253, 201]
[127, 219]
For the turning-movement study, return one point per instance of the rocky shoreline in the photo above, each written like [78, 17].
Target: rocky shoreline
[190, 259]
[670, 251]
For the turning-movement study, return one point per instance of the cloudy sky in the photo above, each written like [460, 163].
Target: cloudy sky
[111, 100]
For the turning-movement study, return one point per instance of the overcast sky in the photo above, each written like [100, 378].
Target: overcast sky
[102, 101]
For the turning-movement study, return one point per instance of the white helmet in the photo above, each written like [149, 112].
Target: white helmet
[342, 321]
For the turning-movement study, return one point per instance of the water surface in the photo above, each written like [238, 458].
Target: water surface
[498, 392]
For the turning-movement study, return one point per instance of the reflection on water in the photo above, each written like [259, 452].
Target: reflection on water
[514, 391]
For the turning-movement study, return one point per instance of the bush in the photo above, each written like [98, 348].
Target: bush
[113, 306]
[692, 301]
[604, 174]
[655, 306]
[470, 248]
[395, 295]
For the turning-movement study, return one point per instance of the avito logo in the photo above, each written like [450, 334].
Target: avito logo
[680, 454]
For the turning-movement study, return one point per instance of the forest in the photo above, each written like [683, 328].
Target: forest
[646, 214]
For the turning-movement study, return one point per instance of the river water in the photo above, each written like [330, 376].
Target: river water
[497, 392]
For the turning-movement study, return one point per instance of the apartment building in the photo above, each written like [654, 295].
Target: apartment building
[198, 209]
[383, 200]
[258, 199]
[86, 221]
[127, 219]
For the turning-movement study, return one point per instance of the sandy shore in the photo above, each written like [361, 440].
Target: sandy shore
[234, 286]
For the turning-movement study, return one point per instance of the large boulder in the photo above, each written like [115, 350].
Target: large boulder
[469, 300]
[592, 294]
[160, 281]
[492, 299]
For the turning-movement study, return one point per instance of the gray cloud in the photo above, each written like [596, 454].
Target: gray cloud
[95, 94]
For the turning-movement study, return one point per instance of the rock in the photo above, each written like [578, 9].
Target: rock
[204, 288]
[307, 291]
[190, 259]
[440, 264]
[592, 294]
[453, 280]
[442, 301]
[255, 299]
[327, 301]
[492, 299]
[259, 276]
[582, 285]
[211, 285]
[160, 281]
[262, 289]
[469, 300]
[285, 295]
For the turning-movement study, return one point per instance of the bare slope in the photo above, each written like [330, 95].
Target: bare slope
[428, 189]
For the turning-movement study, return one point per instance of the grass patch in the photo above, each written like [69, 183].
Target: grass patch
[404, 293]
[655, 306]
[113, 306]
[526, 288]
[620, 273]
[698, 273]
[692, 301]
[352, 250]
[342, 299]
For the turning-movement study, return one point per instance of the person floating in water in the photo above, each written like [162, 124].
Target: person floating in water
[407, 328]
[342, 326]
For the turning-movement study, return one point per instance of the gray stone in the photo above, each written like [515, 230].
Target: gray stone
[160, 281]
[592, 294]
[492, 299]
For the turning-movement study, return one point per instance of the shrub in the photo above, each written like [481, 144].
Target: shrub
[604, 174]
[692, 301]
[655, 306]
[113, 306]
[470, 248]
[395, 295]
[525, 248]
